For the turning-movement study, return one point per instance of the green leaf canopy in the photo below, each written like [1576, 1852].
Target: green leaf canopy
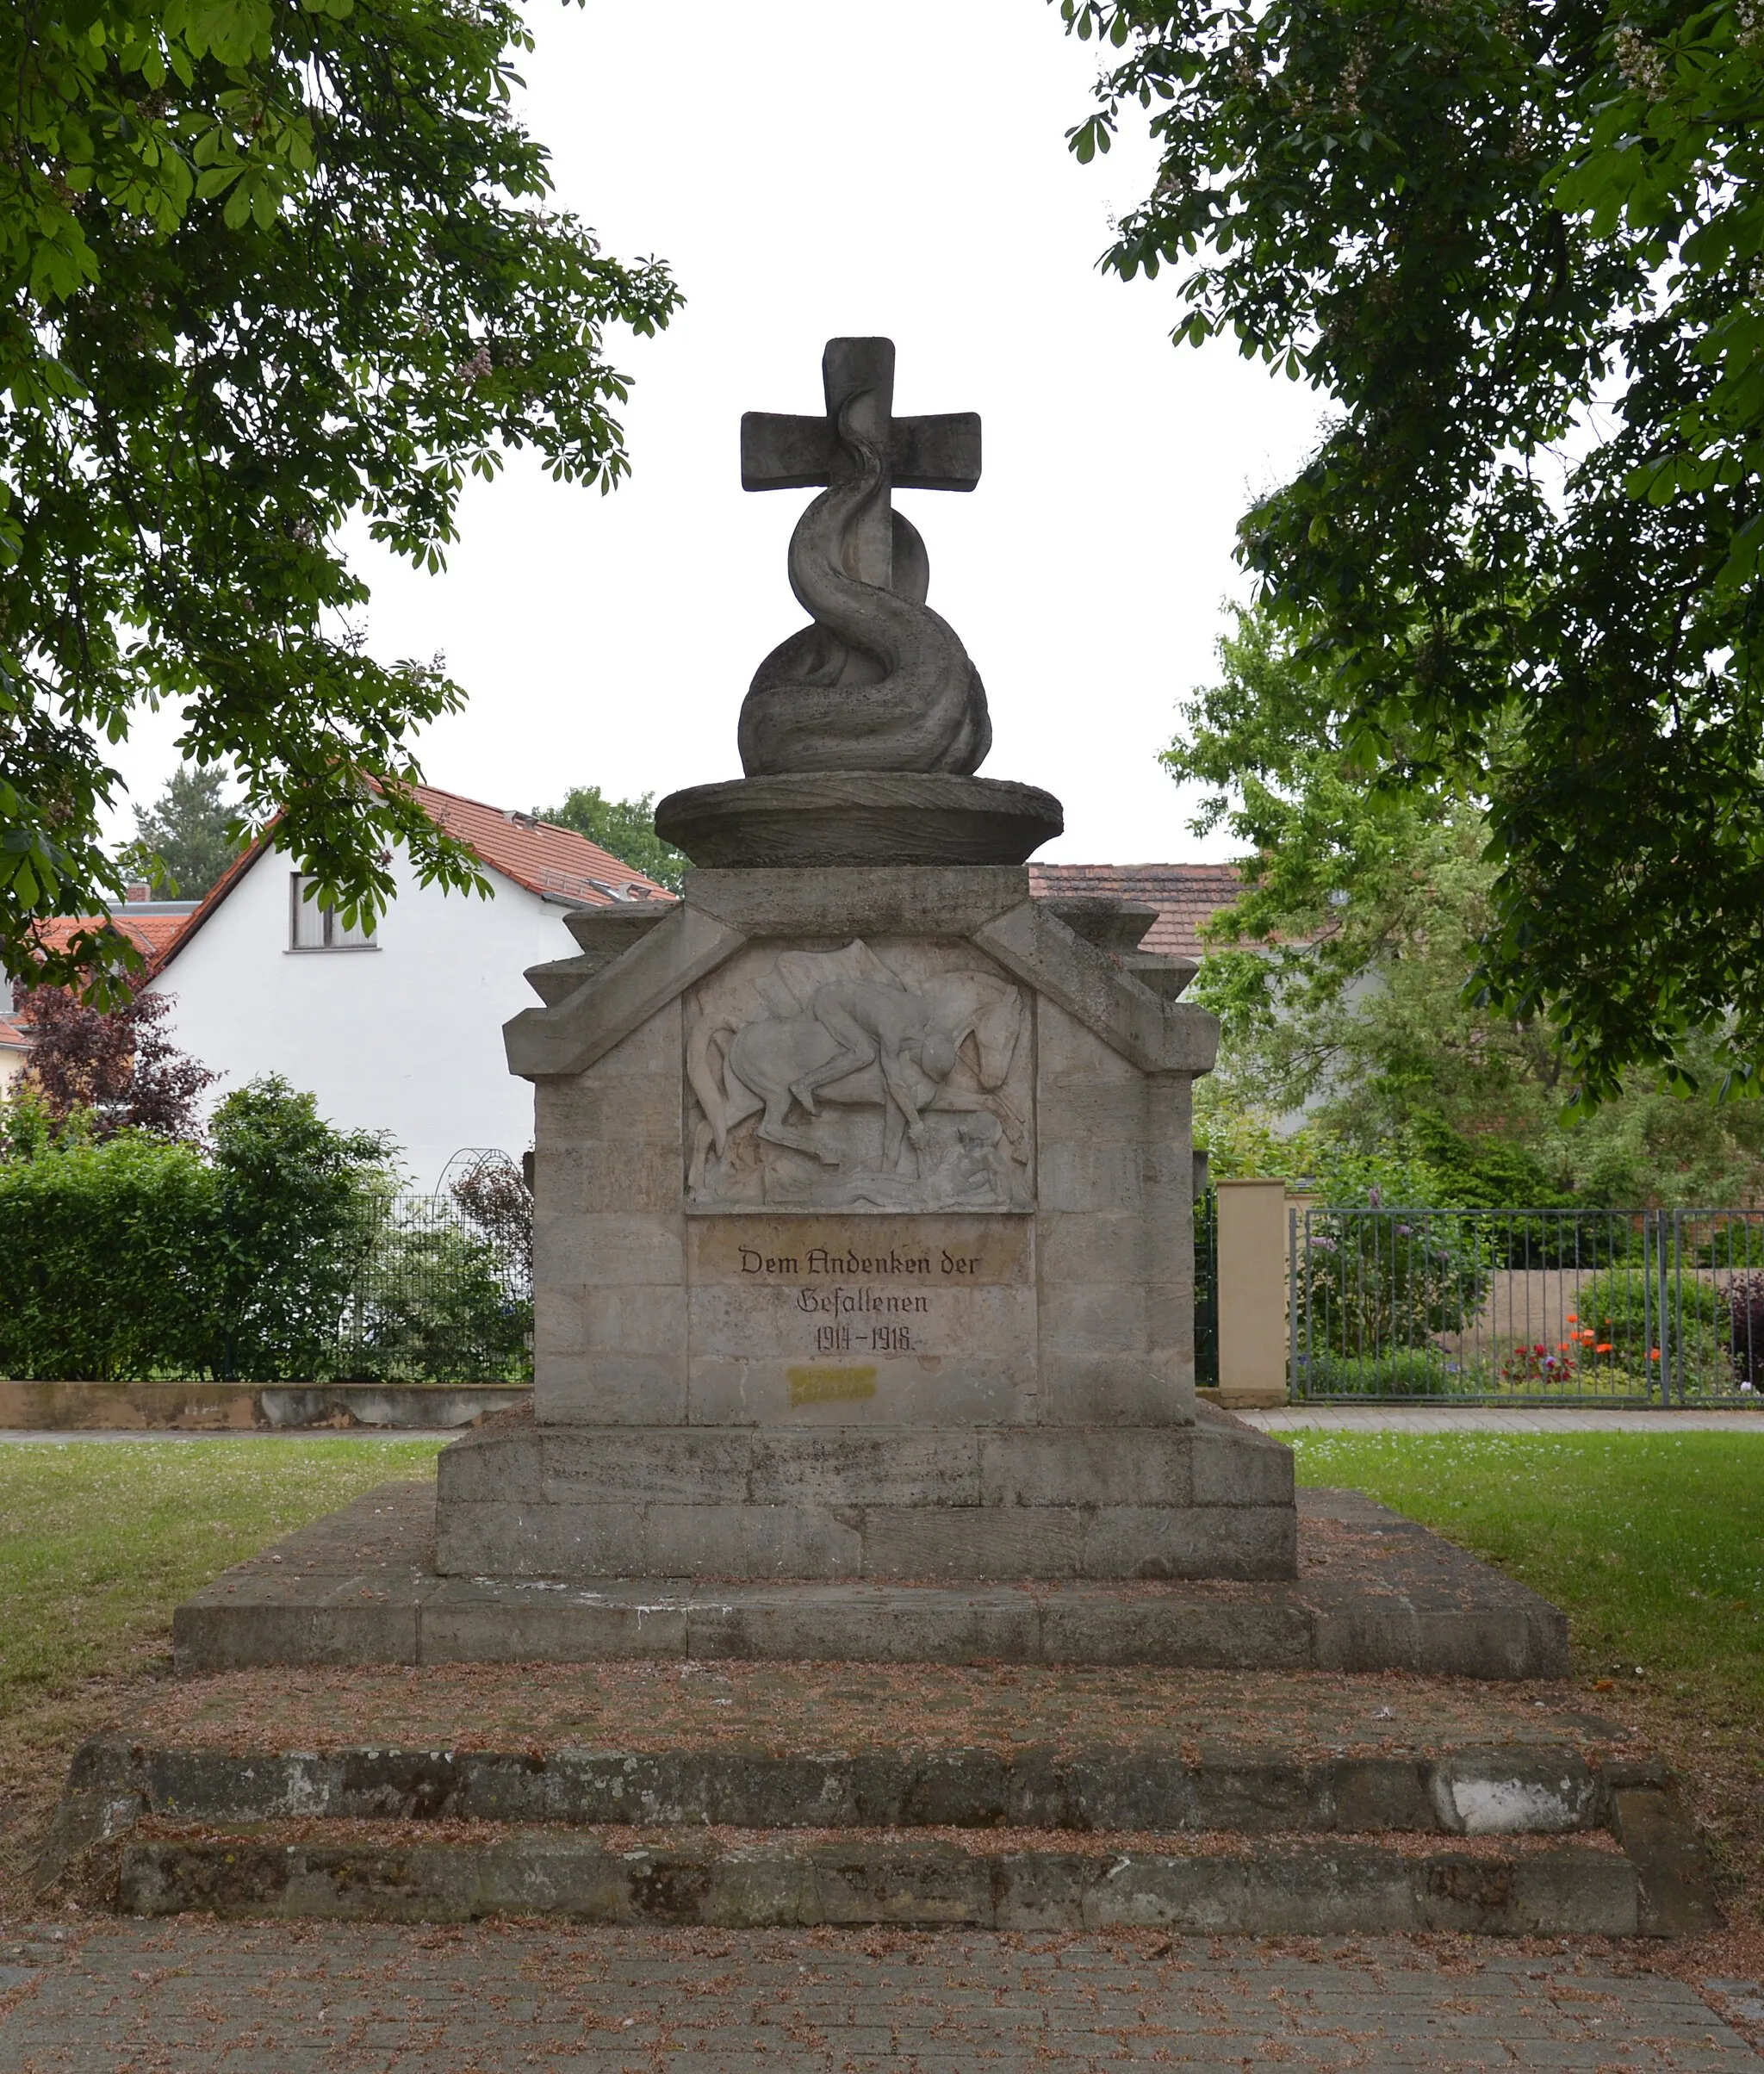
[268, 267]
[1520, 248]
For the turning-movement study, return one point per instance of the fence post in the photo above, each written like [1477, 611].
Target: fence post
[1292, 1242]
[1206, 1220]
[1663, 1251]
[1252, 1293]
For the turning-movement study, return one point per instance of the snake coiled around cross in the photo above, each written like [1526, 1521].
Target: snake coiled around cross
[880, 682]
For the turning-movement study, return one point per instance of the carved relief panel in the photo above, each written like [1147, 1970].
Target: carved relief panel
[894, 1076]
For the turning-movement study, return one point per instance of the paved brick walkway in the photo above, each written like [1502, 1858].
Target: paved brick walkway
[1492, 1419]
[18, 1436]
[1345, 1418]
[134, 1999]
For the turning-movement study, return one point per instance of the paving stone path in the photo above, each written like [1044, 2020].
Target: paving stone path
[1495, 1418]
[21, 1436]
[130, 1999]
[1389, 1418]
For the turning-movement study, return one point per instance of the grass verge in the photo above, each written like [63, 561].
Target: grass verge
[1652, 1543]
[99, 1540]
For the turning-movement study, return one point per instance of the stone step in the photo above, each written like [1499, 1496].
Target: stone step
[1527, 1838]
[632, 1791]
[1540, 1789]
[1374, 1592]
[736, 1879]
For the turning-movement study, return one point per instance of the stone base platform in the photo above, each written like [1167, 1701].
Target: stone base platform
[1374, 1593]
[753, 1795]
[883, 1504]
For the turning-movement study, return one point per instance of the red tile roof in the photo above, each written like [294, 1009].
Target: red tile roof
[12, 1034]
[153, 933]
[1184, 895]
[537, 855]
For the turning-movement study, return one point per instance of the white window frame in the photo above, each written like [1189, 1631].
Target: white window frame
[329, 928]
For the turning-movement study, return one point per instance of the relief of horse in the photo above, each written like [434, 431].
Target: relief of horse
[737, 1071]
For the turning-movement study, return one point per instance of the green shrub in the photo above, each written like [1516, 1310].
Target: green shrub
[300, 1202]
[1733, 1242]
[142, 1257]
[106, 1255]
[1617, 1319]
[1484, 1172]
[1388, 1279]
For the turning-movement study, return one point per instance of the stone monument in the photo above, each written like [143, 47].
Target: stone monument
[862, 1278]
[863, 1243]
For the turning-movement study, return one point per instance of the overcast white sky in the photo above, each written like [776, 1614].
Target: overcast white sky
[818, 167]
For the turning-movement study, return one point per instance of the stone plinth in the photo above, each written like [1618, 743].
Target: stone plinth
[1374, 1593]
[863, 1250]
[895, 1503]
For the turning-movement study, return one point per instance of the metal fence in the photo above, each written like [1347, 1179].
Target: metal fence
[1206, 1286]
[441, 1294]
[1527, 1307]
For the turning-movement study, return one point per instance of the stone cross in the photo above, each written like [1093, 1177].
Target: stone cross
[778, 452]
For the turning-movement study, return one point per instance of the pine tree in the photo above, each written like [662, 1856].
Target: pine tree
[182, 844]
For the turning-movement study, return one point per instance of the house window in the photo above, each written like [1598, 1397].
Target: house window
[313, 927]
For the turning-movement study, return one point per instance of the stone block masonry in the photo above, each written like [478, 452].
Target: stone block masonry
[863, 1252]
[832, 1501]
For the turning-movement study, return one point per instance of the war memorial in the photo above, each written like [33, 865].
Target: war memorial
[866, 1557]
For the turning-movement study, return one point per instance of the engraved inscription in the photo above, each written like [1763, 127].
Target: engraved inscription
[826, 1286]
[852, 1306]
[874, 1079]
[919, 1252]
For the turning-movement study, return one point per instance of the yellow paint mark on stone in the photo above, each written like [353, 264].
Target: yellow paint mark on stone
[830, 1386]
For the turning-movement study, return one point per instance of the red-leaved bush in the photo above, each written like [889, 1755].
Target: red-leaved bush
[122, 1064]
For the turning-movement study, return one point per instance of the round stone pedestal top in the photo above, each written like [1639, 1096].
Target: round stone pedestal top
[837, 817]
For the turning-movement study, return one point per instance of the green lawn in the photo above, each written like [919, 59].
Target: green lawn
[1652, 1543]
[99, 1540]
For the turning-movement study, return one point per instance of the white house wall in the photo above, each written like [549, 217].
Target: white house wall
[405, 1038]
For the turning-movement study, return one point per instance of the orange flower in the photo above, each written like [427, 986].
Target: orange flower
[1603, 1347]
[1572, 1319]
[1653, 1353]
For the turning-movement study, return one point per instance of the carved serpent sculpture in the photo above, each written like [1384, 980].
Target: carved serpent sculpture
[880, 682]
